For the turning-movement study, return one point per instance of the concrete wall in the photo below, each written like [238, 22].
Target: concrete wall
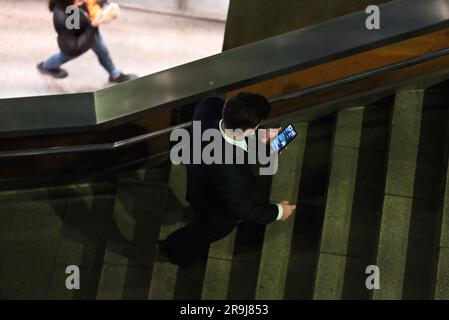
[253, 20]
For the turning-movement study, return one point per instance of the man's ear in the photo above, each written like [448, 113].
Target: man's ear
[251, 131]
[248, 132]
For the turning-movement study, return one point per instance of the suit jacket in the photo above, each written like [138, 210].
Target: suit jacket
[222, 193]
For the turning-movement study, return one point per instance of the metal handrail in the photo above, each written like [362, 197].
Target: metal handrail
[364, 75]
[147, 136]
[230, 70]
[109, 146]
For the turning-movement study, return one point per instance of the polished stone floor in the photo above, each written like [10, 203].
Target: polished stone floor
[139, 42]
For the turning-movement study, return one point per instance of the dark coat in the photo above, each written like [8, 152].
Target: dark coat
[74, 42]
[221, 194]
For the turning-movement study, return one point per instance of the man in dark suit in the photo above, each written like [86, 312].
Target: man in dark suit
[220, 194]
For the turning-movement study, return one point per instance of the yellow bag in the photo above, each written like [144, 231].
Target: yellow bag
[93, 8]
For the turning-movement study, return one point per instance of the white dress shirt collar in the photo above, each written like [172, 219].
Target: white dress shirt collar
[239, 143]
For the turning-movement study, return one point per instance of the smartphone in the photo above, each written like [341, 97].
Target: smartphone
[283, 139]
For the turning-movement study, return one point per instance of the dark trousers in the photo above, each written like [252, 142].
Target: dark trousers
[100, 49]
[192, 241]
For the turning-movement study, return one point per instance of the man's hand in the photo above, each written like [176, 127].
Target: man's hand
[288, 209]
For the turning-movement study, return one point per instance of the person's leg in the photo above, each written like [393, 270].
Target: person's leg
[192, 242]
[55, 61]
[100, 49]
[52, 66]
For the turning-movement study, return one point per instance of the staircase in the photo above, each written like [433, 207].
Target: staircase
[372, 188]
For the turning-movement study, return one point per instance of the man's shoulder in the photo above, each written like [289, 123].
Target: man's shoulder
[208, 109]
[213, 101]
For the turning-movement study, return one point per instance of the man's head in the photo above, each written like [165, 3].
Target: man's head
[245, 111]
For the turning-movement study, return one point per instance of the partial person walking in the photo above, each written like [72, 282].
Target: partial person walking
[220, 194]
[73, 42]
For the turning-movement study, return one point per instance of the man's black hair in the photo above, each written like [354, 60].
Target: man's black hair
[245, 110]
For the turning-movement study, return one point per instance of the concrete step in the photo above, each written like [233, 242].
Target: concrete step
[404, 141]
[218, 269]
[442, 278]
[340, 196]
[130, 251]
[233, 262]
[30, 234]
[309, 216]
[153, 170]
[7, 206]
[164, 276]
[278, 236]
[398, 202]
[427, 211]
[44, 230]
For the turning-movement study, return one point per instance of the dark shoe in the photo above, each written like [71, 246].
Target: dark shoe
[165, 253]
[162, 251]
[55, 73]
[122, 78]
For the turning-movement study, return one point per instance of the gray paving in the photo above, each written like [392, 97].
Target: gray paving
[139, 42]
